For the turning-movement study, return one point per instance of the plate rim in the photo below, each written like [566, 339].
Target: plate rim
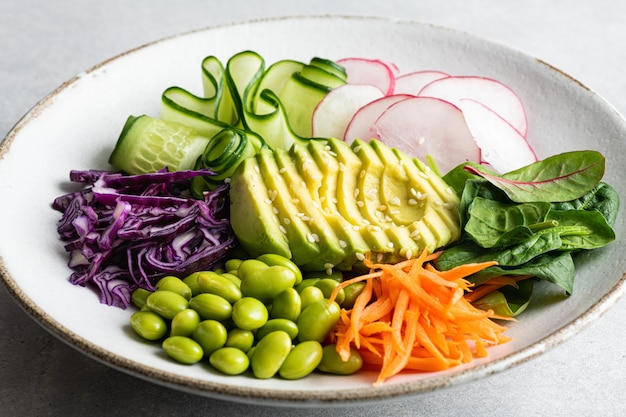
[292, 397]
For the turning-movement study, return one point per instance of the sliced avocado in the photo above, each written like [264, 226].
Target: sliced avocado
[430, 191]
[350, 168]
[323, 234]
[350, 240]
[370, 186]
[253, 221]
[299, 235]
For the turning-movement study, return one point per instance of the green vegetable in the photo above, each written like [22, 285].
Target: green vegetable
[317, 320]
[270, 353]
[287, 305]
[213, 283]
[211, 306]
[301, 360]
[211, 335]
[229, 360]
[273, 325]
[561, 177]
[174, 284]
[240, 339]
[333, 364]
[249, 313]
[148, 325]
[184, 323]
[183, 349]
[166, 303]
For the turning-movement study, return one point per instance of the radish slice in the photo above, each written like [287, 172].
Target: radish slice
[492, 93]
[332, 115]
[413, 82]
[370, 71]
[502, 146]
[362, 124]
[427, 126]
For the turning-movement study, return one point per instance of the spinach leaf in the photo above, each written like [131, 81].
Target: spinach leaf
[581, 229]
[529, 248]
[508, 301]
[563, 177]
[494, 223]
[458, 176]
[555, 267]
[475, 188]
[602, 197]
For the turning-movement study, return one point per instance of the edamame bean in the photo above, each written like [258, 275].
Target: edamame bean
[336, 275]
[250, 265]
[310, 295]
[192, 282]
[212, 283]
[211, 335]
[232, 264]
[148, 324]
[351, 292]
[184, 323]
[211, 307]
[166, 303]
[269, 354]
[317, 320]
[307, 282]
[333, 364]
[183, 349]
[249, 313]
[328, 285]
[301, 360]
[266, 283]
[273, 259]
[273, 325]
[287, 305]
[139, 297]
[240, 339]
[174, 284]
[229, 360]
[233, 278]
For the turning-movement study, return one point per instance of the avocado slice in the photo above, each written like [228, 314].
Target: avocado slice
[331, 251]
[350, 240]
[252, 219]
[299, 235]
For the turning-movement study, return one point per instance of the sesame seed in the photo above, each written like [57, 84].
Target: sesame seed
[395, 201]
[412, 202]
[268, 201]
[287, 220]
[382, 207]
[357, 149]
[310, 238]
[282, 229]
[408, 254]
[379, 257]
[359, 256]
[328, 266]
[282, 170]
[360, 203]
[356, 192]
[342, 243]
[274, 210]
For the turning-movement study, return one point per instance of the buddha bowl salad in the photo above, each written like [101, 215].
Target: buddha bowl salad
[331, 216]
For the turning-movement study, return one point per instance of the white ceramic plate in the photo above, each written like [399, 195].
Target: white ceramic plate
[77, 125]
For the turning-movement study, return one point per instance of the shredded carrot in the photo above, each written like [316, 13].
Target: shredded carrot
[410, 316]
[492, 285]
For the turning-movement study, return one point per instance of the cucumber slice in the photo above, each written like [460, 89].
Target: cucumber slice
[147, 144]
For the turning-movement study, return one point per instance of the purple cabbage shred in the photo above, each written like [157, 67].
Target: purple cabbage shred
[124, 232]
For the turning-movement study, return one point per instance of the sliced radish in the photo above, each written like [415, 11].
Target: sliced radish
[362, 124]
[427, 126]
[370, 71]
[502, 146]
[334, 112]
[492, 93]
[413, 82]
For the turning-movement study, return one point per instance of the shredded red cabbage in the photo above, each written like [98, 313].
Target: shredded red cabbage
[124, 232]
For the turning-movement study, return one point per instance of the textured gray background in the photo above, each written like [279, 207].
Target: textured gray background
[44, 43]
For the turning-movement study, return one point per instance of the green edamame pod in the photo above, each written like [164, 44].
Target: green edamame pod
[184, 323]
[211, 307]
[273, 259]
[211, 335]
[332, 363]
[148, 324]
[269, 354]
[287, 305]
[273, 325]
[139, 297]
[212, 283]
[166, 303]
[302, 360]
[317, 320]
[229, 360]
[183, 349]
[174, 284]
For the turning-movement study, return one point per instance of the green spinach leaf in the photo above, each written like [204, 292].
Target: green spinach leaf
[581, 229]
[602, 197]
